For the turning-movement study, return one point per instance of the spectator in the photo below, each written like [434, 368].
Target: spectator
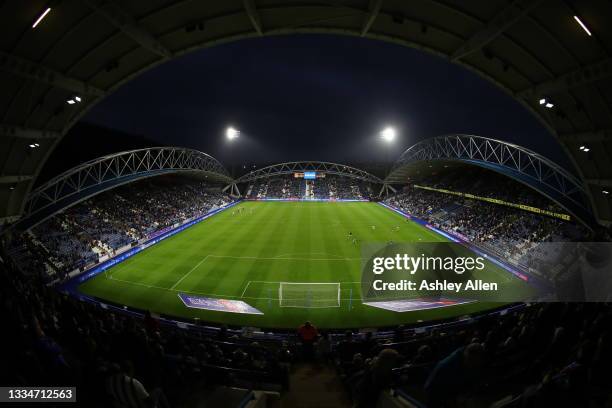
[456, 374]
[127, 392]
[308, 335]
[378, 376]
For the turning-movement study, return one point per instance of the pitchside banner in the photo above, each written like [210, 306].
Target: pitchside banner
[447, 273]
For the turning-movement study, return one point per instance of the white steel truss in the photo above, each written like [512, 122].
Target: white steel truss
[514, 161]
[302, 166]
[97, 175]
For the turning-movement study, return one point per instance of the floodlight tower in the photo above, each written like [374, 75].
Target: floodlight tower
[231, 134]
[387, 135]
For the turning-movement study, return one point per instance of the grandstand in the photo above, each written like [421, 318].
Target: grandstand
[158, 277]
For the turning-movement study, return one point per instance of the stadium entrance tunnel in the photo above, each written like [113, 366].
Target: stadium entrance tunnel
[516, 162]
[107, 172]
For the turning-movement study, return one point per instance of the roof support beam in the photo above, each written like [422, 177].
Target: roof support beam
[582, 76]
[251, 10]
[14, 179]
[28, 133]
[374, 9]
[500, 23]
[600, 181]
[31, 70]
[9, 219]
[126, 23]
[600, 135]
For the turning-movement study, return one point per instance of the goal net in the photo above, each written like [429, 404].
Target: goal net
[309, 295]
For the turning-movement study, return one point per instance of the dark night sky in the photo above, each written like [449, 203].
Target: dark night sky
[314, 97]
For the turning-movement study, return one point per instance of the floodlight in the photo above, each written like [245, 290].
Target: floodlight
[232, 133]
[388, 134]
[549, 105]
[542, 101]
[582, 25]
[43, 15]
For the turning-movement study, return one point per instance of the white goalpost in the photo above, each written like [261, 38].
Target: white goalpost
[309, 294]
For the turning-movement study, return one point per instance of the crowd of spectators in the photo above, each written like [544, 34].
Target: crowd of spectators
[529, 356]
[56, 339]
[535, 356]
[507, 231]
[323, 188]
[485, 183]
[112, 220]
[278, 187]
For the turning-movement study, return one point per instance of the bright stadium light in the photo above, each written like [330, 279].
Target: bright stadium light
[584, 27]
[388, 134]
[232, 133]
[40, 18]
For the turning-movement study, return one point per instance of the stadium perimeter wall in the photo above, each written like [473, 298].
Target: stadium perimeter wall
[347, 200]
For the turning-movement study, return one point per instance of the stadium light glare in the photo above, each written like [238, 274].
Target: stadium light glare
[582, 147]
[549, 105]
[605, 192]
[73, 100]
[232, 133]
[41, 17]
[584, 27]
[586, 149]
[388, 134]
[542, 101]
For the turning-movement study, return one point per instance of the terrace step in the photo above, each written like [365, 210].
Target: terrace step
[313, 385]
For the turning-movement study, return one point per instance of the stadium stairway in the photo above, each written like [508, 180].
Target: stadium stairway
[314, 385]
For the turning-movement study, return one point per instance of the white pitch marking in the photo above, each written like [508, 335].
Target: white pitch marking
[191, 270]
[245, 289]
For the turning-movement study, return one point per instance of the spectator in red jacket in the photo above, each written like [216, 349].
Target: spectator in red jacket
[308, 335]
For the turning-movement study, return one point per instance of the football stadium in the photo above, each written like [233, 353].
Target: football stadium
[166, 241]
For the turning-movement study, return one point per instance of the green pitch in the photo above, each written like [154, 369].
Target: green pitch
[245, 255]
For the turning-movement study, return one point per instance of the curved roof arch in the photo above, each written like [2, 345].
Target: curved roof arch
[107, 172]
[302, 166]
[516, 162]
[532, 49]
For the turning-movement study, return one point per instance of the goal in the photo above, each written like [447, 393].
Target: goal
[309, 294]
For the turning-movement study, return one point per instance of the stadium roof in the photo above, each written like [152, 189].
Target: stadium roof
[535, 50]
[107, 172]
[302, 166]
[516, 162]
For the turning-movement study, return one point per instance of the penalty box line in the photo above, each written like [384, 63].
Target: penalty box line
[246, 287]
[109, 275]
[256, 259]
